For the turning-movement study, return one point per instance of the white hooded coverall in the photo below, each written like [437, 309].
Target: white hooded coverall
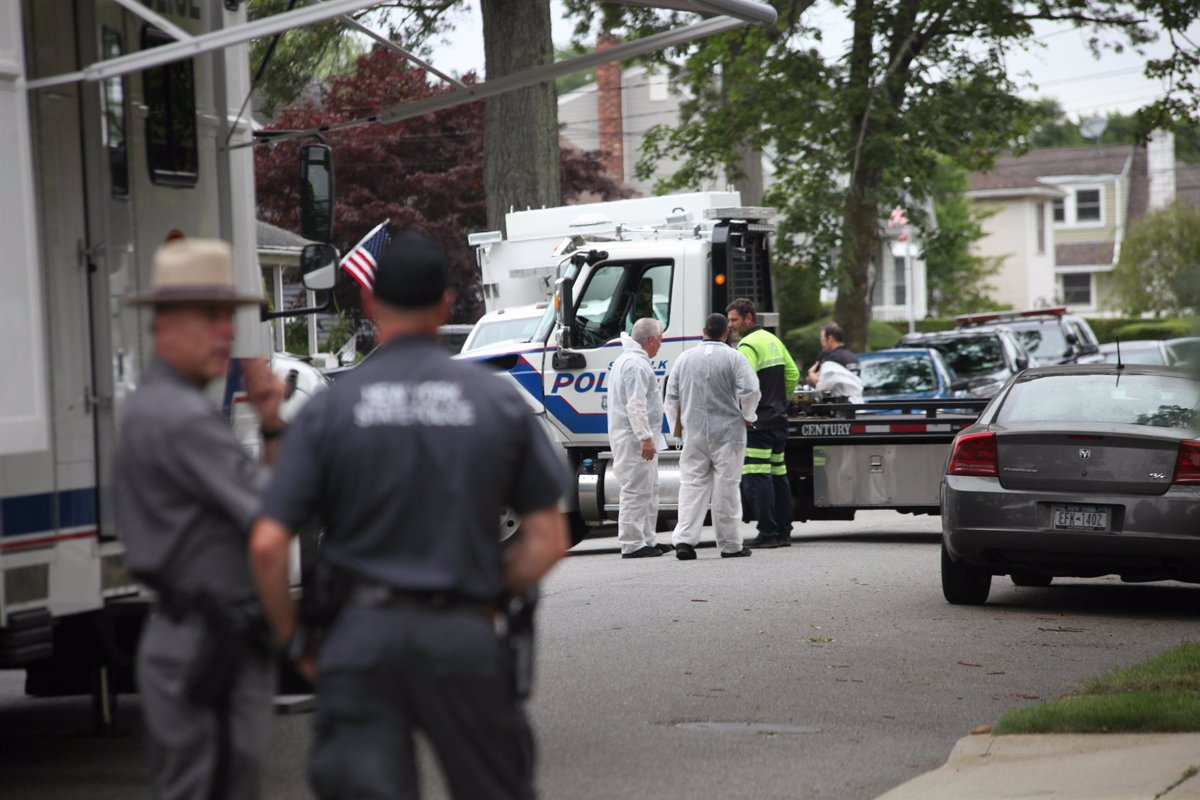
[635, 413]
[717, 392]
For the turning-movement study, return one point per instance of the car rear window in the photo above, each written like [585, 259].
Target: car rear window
[972, 355]
[899, 375]
[1045, 340]
[1161, 401]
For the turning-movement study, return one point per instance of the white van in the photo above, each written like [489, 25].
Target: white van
[516, 324]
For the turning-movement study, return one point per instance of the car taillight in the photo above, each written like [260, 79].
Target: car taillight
[1187, 466]
[974, 454]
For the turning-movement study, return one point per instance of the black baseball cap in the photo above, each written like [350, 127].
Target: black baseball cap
[413, 271]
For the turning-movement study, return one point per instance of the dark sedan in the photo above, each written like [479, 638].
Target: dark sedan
[1075, 471]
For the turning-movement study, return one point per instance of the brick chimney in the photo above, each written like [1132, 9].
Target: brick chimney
[608, 111]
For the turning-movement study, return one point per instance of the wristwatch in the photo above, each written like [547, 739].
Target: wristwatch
[272, 433]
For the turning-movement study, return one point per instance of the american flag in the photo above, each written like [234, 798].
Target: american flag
[362, 260]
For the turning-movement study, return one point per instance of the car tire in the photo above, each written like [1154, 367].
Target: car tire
[962, 583]
[1033, 579]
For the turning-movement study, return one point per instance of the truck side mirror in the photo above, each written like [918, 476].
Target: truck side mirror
[316, 192]
[1022, 362]
[564, 313]
[564, 307]
[318, 263]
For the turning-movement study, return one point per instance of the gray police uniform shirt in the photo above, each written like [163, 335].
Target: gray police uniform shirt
[408, 461]
[184, 489]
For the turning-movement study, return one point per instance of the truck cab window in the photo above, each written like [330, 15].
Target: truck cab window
[169, 92]
[617, 295]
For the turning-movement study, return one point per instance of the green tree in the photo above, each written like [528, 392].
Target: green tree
[1159, 268]
[854, 135]
[287, 63]
[1053, 128]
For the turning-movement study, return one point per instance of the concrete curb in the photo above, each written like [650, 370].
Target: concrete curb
[1149, 766]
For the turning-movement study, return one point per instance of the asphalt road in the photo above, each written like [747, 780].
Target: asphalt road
[833, 669]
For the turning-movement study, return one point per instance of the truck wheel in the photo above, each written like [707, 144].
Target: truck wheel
[963, 584]
[510, 523]
[1031, 579]
[577, 529]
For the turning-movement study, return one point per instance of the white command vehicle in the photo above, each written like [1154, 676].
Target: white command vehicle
[521, 269]
[840, 457]
[95, 175]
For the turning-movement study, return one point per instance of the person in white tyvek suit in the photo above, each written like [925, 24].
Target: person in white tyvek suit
[635, 421]
[715, 390]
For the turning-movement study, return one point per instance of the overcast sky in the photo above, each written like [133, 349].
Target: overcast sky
[1063, 68]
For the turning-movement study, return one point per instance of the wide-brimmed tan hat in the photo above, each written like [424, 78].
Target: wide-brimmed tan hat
[194, 271]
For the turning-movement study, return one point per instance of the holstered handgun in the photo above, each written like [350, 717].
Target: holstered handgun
[233, 631]
[518, 639]
[326, 590]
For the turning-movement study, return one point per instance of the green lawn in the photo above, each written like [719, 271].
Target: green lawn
[1161, 694]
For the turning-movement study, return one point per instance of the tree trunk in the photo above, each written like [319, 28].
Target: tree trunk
[860, 231]
[860, 237]
[750, 181]
[520, 149]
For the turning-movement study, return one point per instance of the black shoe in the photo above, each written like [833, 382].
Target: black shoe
[685, 552]
[762, 542]
[785, 540]
[665, 548]
[745, 552]
[644, 552]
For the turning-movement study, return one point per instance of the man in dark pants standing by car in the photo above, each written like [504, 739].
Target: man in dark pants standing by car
[185, 493]
[408, 462]
[765, 485]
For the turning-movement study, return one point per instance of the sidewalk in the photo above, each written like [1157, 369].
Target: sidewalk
[1063, 767]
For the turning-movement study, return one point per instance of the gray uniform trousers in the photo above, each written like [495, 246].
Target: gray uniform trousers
[385, 672]
[184, 739]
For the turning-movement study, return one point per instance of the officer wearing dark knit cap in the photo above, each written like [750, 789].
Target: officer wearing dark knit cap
[413, 271]
[408, 462]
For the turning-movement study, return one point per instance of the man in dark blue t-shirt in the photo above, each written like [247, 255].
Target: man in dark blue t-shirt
[408, 462]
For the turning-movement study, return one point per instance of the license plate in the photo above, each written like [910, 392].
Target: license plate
[1080, 518]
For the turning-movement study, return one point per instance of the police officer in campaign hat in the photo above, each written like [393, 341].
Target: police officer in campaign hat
[408, 462]
[185, 493]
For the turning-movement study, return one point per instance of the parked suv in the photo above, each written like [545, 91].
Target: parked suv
[985, 356]
[1051, 335]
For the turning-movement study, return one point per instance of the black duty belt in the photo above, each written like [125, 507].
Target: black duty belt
[377, 595]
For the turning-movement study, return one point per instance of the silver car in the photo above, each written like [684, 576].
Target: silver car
[1081, 470]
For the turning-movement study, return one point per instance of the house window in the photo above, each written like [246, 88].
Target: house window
[658, 87]
[1077, 289]
[170, 95]
[899, 287]
[1040, 213]
[1087, 205]
[1060, 210]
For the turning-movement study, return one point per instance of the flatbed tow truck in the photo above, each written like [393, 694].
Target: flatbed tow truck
[844, 457]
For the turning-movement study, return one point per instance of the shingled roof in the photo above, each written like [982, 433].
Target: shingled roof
[1023, 172]
[272, 237]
